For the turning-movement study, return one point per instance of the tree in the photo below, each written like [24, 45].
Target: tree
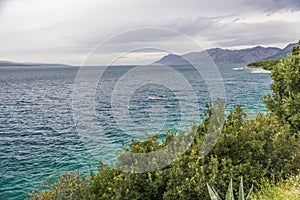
[296, 50]
[284, 102]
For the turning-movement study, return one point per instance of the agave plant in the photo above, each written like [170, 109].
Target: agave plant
[229, 195]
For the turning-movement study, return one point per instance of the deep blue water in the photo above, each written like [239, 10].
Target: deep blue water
[38, 138]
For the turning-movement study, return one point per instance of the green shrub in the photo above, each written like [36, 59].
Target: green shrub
[253, 148]
[266, 64]
[284, 102]
[284, 190]
[70, 185]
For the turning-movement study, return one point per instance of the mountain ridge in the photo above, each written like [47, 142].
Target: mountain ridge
[25, 64]
[230, 57]
[219, 55]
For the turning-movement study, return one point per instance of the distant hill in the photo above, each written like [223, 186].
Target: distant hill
[230, 57]
[243, 56]
[220, 56]
[9, 63]
[17, 64]
[172, 59]
[269, 63]
[288, 49]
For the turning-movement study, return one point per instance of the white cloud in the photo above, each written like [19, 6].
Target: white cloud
[66, 30]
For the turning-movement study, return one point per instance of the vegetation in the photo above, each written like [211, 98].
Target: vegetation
[270, 64]
[285, 190]
[296, 50]
[266, 64]
[260, 149]
[284, 102]
[70, 185]
[229, 195]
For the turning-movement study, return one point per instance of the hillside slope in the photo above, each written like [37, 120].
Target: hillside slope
[230, 57]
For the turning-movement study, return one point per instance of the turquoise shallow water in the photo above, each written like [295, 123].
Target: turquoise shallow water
[38, 138]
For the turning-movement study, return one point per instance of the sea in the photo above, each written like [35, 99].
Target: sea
[39, 139]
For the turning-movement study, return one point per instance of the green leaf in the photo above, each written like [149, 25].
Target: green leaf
[229, 194]
[249, 194]
[212, 193]
[241, 190]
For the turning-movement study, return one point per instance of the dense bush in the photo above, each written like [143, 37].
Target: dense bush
[284, 102]
[284, 190]
[266, 64]
[70, 185]
[252, 148]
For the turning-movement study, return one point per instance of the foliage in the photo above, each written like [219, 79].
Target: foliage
[266, 64]
[296, 50]
[284, 190]
[253, 148]
[229, 195]
[284, 102]
[270, 64]
[70, 185]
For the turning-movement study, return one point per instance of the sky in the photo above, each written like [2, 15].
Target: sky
[65, 31]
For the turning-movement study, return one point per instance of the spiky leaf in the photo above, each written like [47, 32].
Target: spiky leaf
[229, 194]
[212, 193]
[249, 194]
[241, 190]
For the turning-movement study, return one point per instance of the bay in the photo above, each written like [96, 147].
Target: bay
[38, 137]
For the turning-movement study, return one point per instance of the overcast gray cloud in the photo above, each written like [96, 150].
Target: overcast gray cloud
[66, 30]
[275, 5]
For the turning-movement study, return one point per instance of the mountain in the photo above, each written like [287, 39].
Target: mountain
[9, 63]
[288, 49]
[242, 56]
[172, 59]
[230, 57]
[16, 64]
